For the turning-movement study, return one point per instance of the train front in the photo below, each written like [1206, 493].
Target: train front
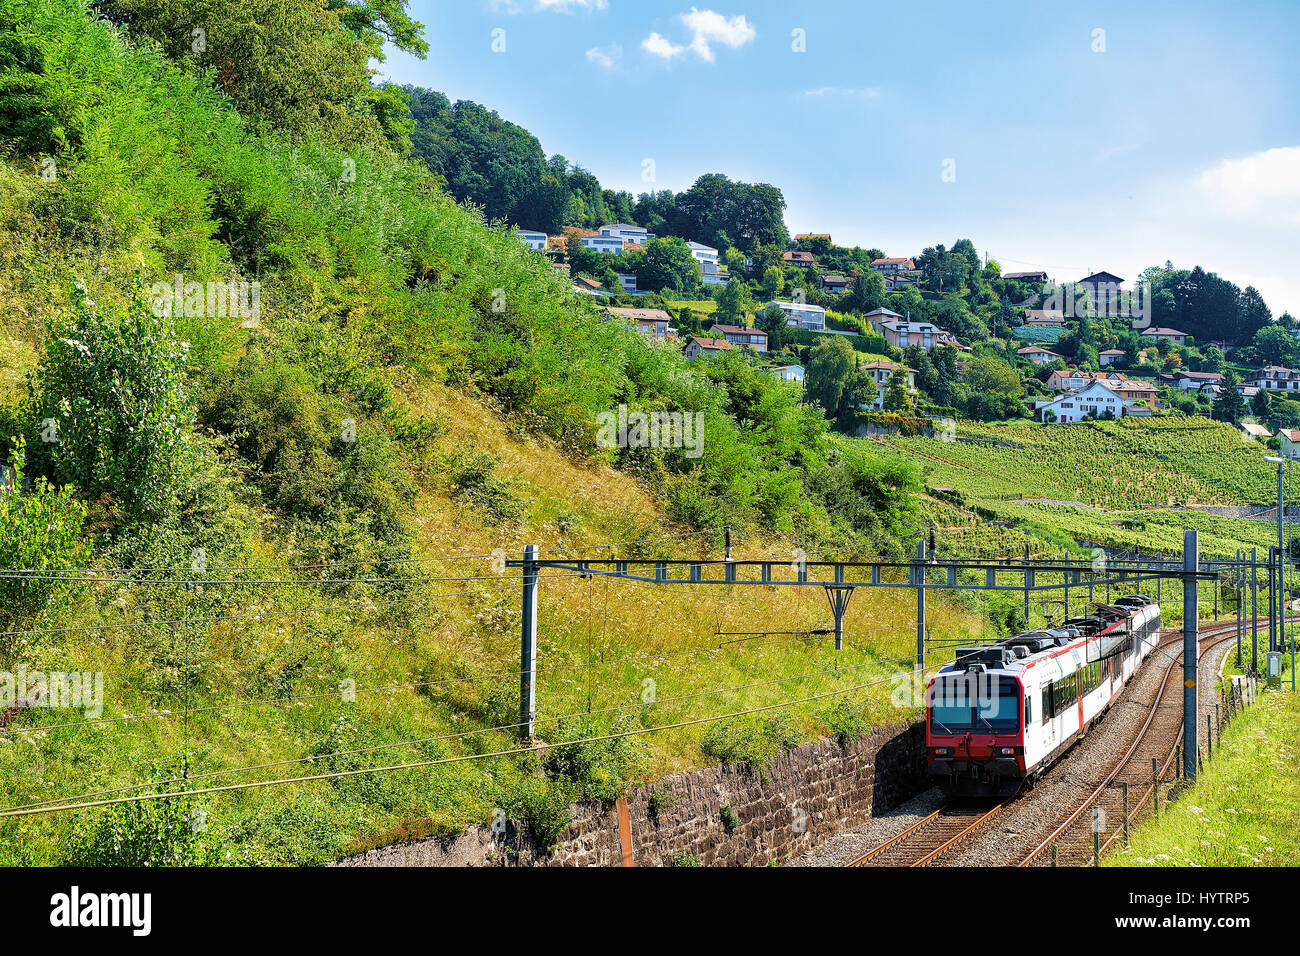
[974, 729]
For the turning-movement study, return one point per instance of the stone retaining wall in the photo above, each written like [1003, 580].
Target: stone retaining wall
[807, 795]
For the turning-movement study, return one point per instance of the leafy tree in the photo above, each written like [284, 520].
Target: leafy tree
[733, 300]
[829, 366]
[897, 396]
[1229, 405]
[773, 282]
[301, 65]
[109, 391]
[669, 264]
[1275, 345]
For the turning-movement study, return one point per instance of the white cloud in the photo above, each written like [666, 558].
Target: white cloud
[551, 6]
[850, 92]
[657, 45]
[606, 57]
[707, 28]
[1269, 181]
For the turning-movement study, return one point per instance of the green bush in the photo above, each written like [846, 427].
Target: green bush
[597, 769]
[751, 744]
[109, 397]
[541, 807]
[846, 721]
[39, 531]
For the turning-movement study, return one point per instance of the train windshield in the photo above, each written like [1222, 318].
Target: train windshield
[975, 703]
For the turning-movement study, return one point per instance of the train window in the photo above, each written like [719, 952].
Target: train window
[975, 703]
[1029, 709]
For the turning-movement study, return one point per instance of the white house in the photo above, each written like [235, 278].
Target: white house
[1290, 442]
[802, 315]
[713, 273]
[1110, 356]
[703, 253]
[1275, 378]
[789, 373]
[629, 282]
[739, 335]
[880, 373]
[1195, 381]
[1074, 406]
[532, 239]
[1037, 354]
[611, 244]
[626, 232]
[1173, 335]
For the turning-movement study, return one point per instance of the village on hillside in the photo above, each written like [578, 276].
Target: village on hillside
[853, 328]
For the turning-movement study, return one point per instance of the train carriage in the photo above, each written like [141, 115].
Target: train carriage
[999, 715]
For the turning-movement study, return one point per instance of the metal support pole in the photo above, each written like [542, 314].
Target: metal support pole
[1239, 620]
[1209, 736]
[528, 646]
[839, 598]
[920, 607]
[1155, 787]
[1191, 608]
[1066, 575]
[1254, 614]
[1126, 813]
[1272, 600]
[1027, 587]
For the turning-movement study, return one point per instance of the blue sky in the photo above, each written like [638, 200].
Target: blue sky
[1172, 134]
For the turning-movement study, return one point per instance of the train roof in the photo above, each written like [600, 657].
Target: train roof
[1018, 652]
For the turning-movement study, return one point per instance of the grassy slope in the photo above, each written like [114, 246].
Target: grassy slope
[1244, 809]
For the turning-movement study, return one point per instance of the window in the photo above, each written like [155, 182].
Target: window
[1029, 710]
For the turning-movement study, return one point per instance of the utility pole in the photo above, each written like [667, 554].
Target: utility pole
[1238, 587]
[920, 607]
[528, 646]
[1029, 581]
[1254, 614]
[1191, 562]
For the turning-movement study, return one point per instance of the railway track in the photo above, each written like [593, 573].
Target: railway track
[1148, 762]
[929, 839]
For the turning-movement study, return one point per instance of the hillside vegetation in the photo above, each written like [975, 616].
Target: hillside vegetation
[249, 525]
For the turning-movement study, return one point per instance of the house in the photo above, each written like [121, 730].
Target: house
[1103, 292]
[880, 373]
[532, 239]
[904, 335]
[1136, 391]
[802, 315]
[1094, 399]
[788, 373]
[1047, 317]
[889, 266]
[610, 244]
[1257, 432]
[899, 280]
[629, 282]
[1275, 378]
[1290, 442]
[703, 253]
[799, 258]
[652, 322]
[588, 286]
[1039, 356]
[836, 284]
[1111, 357]
[741, 336]
[876, 316]
[626, 232]
[1026, 276]
[1194, 381]
[1178, 338]
[1068, 379]
[705, 348]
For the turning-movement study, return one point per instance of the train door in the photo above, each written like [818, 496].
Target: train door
[1078, 690]
[1051, 719]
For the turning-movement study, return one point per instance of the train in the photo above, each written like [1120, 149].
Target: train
[999, 715]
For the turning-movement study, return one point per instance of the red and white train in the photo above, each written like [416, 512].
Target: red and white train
[999, 715]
